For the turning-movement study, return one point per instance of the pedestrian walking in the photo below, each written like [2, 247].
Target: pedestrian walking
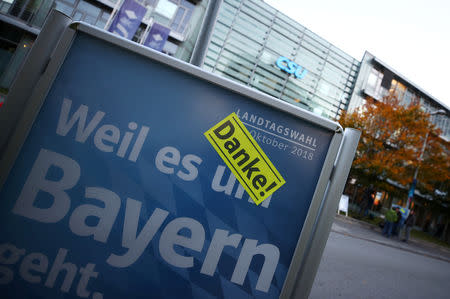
[409, 223]
[390, 219]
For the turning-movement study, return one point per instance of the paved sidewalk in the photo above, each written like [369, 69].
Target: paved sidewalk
[366, 231]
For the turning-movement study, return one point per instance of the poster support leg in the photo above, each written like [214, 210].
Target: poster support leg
[326, 214]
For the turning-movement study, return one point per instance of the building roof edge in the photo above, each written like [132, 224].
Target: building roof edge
[410, 82]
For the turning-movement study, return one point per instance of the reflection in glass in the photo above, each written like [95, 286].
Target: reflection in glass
[166, 9]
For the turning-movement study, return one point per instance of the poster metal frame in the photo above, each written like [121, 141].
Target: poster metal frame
[43, 85]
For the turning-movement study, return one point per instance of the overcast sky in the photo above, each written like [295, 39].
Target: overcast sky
[411, 36]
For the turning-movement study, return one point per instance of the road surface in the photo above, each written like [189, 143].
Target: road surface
[360, 263]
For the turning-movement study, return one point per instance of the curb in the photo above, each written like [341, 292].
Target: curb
[360, 222]
[375, 228]
[396, 247]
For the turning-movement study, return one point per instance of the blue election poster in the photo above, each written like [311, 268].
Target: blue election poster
[116, 192]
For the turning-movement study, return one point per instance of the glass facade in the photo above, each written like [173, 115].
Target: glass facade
[31, 12]
[252, 43]
[175, 14]
[249, 38]
[15, 42]
[376, 80]
[181, 16]
[79, 10]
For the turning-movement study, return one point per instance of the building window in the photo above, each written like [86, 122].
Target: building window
[174, 14]
[32, 12]
[170, 48]
[374, 83]
[409, 97]
[5, 5]
[65, 7]
[397, 89]
[23, 9]
[80, 10]
[166, 9]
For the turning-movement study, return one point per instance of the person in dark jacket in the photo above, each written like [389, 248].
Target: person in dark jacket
[409, 223]
[398, 223]
[367, 202]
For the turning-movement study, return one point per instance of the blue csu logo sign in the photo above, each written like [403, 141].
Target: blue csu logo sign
[291, 67]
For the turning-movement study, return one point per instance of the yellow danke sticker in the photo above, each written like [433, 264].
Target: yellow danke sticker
[245, 158]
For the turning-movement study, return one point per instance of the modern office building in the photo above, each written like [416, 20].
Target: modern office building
[21, 20]
[260, 47]
[251, 43]
[376, 79]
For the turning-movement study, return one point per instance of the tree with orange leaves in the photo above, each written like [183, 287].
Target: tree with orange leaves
[390, 145]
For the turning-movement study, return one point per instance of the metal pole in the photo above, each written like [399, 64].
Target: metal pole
[416, 172]
[326, 214]
[147, 27]
[204, 36]
[113, 14]
[30, 73]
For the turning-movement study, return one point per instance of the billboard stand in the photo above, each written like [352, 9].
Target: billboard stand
[343, 205]
[108, 173]
[327, 213]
